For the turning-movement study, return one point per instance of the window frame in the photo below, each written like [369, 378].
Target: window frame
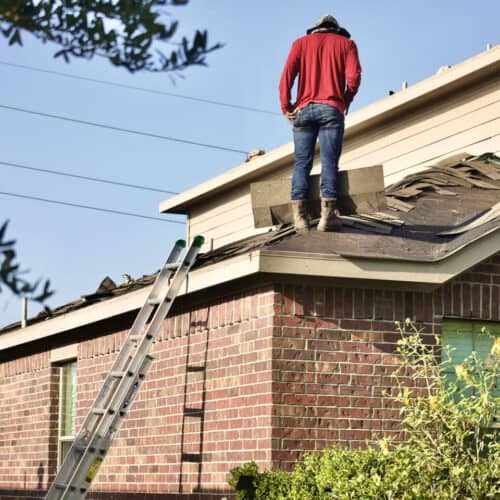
[64, 440]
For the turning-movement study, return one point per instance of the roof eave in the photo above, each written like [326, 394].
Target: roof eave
[275, 262]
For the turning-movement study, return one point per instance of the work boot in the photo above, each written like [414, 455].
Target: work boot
[329, 221]
[301, 218]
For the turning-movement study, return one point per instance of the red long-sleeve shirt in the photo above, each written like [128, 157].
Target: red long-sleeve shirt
[328, 68]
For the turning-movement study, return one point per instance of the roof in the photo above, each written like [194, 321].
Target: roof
[446, 81]
[431, 216]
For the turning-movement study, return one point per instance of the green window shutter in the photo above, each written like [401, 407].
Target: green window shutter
[464, 337]
[457, 335]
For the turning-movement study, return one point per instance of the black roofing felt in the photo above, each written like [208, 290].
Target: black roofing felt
[435, 200]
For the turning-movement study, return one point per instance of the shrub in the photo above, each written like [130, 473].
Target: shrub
[450, 450]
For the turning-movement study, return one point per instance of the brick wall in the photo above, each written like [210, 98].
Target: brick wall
[288, 368]
[334, 352]
[222, 412]
[28, 424]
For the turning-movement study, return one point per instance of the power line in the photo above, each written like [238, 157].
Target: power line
[141, 89]
[84, 177]
[88, 207]
[121, 129]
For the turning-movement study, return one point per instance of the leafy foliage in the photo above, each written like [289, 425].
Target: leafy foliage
[11, 274]
[451, 449]
[126, 32]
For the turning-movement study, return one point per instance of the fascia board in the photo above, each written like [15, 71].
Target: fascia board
[328, 266]
[355, 123]
[74, 319]
[199, 279]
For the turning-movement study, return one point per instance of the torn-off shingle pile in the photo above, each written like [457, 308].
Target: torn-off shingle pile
[471, 171]
[462, 170]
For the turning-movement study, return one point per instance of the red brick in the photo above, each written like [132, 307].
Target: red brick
[487, 268]
[319, 301]
[358, 303]
[329, 303]
[485, 306]
[254, 308]
[399, 306]
[479, 278]
[355, 324]
[466, 300]
[339, 303]
[309, 301]
[457, 300]
[288, 300]
[348, 303]
[299, 301]
[447, 300]
[495, 303]
[476, 301]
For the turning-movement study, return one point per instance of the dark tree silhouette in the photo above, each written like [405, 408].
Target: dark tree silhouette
[12, 277]
[129, 33]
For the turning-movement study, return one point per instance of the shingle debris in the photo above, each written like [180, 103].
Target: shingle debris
[461, 170]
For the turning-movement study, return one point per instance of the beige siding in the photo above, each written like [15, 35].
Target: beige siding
[468, 120]
[452, 126]
[456, 109]
[223, 217]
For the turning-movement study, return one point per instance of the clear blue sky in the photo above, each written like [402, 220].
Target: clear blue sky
[76, 248]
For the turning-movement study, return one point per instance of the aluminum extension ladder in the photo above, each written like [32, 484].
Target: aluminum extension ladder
[123, 381]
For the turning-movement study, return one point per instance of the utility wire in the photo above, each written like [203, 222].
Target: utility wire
[121, 129]
[141, 89]
[88, 207]
[84, 177]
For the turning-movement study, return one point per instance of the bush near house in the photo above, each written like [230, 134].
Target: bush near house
[451, 448]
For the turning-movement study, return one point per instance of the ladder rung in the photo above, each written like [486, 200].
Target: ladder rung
[118, 374]
[80, 447]
[136, 336]
[99, 411]
[193, 412]
[191, 457]
[154, 301]
[172, 266]
[195, 368]
[60, 486]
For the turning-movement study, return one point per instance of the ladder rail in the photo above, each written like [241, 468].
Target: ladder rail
[87, 428]
[90, 462]
[147, 340]
[120, 362]
[122, 382]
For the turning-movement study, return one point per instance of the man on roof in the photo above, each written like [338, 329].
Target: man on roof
[327, 64]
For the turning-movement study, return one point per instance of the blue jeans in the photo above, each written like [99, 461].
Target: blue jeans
[312, 121]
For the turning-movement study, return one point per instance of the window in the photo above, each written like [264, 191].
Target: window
[465, 337]
[67, 408]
